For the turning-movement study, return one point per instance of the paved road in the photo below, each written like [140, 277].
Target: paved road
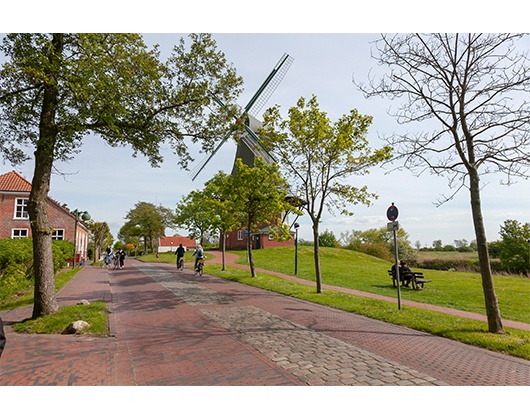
[174, 328]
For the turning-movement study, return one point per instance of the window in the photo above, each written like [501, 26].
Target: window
[19, 233]
[58, 235]
[21, 208]
[239, 235]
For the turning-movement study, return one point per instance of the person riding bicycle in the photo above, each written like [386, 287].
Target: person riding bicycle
[199, 255]
[180, 255]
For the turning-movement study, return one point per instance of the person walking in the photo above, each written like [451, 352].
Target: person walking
[2, 337]
[122, 258]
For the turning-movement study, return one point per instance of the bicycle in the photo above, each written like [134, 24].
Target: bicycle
[200, 266]
[105, 262]
[180, 264]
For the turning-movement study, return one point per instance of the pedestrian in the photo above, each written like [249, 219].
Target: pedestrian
[180, 255]
[122, 258]
[199, 254]
[2, 337]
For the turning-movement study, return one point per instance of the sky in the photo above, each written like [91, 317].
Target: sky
[108, 182]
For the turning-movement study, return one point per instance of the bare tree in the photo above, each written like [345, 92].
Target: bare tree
[473, 91]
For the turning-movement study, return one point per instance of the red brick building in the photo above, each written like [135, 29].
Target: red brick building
[237, 239]
[14, 217]
[171, 243]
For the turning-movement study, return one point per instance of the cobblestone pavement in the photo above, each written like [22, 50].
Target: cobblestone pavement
[174, 328]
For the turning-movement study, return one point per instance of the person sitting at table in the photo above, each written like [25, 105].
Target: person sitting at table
[405, 273]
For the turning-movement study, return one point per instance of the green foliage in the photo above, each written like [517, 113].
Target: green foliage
[115, 86]
[327, 239]
[197, 214]
[148, 221]
[62, 251]
[515, 246]
[317, 156]
[100, 236]
[16, 264]
[379, 243]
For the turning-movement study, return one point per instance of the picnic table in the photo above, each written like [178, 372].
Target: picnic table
[414, 278]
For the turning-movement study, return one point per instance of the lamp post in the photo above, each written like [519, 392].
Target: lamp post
[84, 216]
[528, 272]
[296, 226]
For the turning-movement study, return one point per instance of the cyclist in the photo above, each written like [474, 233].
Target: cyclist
[180, 256]
[199, 254]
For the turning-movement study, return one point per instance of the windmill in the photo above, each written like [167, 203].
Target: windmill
[249, 146]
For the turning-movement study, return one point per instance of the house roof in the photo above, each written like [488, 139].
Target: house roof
[177, 240]
[12, 181]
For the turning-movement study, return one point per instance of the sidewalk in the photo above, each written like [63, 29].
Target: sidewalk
[174, 328]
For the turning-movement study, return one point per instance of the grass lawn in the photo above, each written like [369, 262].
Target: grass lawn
[95, 313]
[359, 271]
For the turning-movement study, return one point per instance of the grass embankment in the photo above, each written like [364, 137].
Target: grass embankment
[95, 313]
[362, 272]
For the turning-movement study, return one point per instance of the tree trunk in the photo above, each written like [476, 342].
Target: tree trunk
[222, 242]
[44, 294]
[250, 259]
[45, 301]
[492, 306]
[316, 255]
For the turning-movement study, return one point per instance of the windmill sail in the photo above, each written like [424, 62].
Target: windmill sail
[249, 146]
[268, 87]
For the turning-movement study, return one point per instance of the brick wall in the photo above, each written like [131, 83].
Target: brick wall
[232, 241]
[59, 218]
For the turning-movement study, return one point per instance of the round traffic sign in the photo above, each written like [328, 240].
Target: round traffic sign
[392, 213]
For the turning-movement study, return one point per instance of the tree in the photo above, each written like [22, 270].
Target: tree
[437, 245]
[327, 239]
[57, 88]
[218, 191]
[515, 246]
[260, 197]
[317, 157]
[148, 221]
[380, 243]
[472, 90]
[101, 237]
[195, 214]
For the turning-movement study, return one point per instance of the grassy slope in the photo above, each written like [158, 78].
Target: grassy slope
[359, 271]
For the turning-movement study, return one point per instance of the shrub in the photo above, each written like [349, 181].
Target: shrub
[16, 263]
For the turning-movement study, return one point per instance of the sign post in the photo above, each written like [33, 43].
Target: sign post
[392, 215]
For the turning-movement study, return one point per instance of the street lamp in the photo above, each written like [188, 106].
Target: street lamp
[78, 216]
[296, 226]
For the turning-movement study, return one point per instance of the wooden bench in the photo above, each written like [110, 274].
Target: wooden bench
[413, 277]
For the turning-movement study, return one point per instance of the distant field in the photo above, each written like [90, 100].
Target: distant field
[435, 255]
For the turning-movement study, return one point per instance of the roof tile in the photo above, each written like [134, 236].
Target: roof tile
[12, 181]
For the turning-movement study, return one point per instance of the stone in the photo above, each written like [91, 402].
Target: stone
[83, 302]
[76, 327]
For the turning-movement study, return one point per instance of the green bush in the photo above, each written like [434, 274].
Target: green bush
[16, 263]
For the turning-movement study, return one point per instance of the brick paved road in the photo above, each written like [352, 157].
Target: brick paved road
[172, 328]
